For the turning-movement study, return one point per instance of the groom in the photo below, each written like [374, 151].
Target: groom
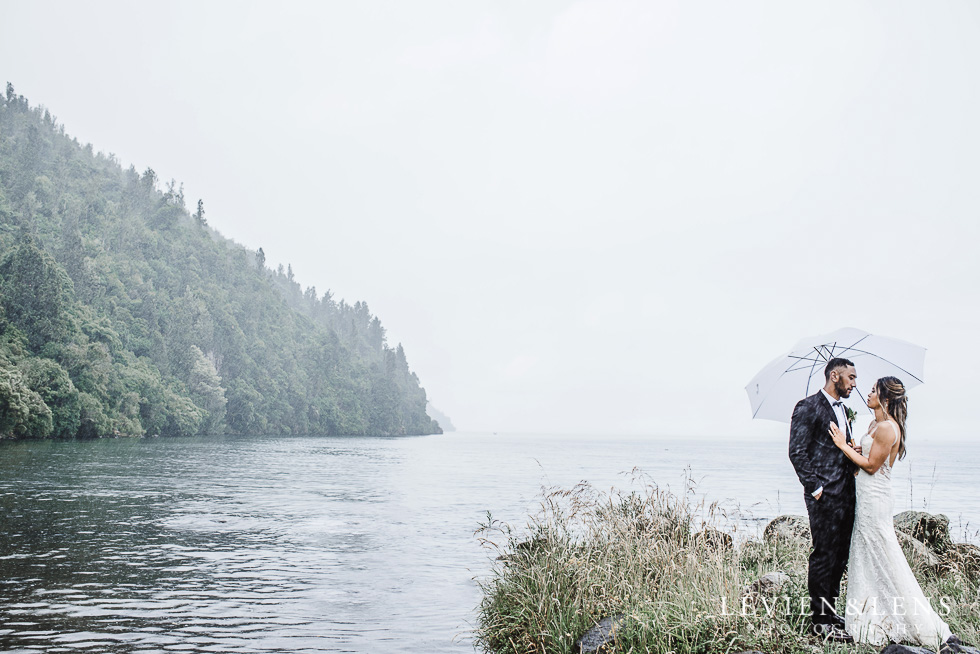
[828, 483]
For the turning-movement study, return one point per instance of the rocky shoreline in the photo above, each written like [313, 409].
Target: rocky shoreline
[924, 538]
[643, 570]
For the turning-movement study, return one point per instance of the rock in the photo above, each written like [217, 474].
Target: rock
[966, 557]
[933, 530]
[917, 552]
[533, 545]
[769, 584]
[788, 527]
[524, 550]
[713, 539]
[773, 582]
[954, 645]
[895, 648]
[601, 637]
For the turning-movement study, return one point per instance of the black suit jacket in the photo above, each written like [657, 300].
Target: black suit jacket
[817, 460]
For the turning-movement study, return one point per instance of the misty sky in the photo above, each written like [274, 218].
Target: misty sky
[592, 217]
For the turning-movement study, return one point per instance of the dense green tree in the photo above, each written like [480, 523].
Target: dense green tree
[93, 421]
[51, 382]
[22, 411]
[120, 314]
[36, 293]
[199, 214]
[206, 391]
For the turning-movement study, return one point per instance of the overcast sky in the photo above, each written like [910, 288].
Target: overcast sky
[592, 217]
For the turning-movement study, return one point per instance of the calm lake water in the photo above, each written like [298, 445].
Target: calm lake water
[321, 544]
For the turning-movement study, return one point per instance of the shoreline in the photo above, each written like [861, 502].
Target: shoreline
[650, 570]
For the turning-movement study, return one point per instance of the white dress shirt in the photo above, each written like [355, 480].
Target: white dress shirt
[839, 410]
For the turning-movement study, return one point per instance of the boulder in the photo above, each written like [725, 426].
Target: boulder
[933, 530]
[714, 539]
[954, 645]
[917, 552]
[793, 528]
[769, 584]
[966, 557]
[524, 550]
[601, 637]
[895, 648]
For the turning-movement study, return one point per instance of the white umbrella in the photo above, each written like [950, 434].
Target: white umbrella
[788, 379]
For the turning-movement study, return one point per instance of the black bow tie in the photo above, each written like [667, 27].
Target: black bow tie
[837, 403]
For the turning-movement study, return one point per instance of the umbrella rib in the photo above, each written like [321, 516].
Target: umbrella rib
[800, 357]
[768, 395]
[830, 350]
[847, 348]
[810, 376]
[891, 363]
[861, 395]
[857, 342]
[851, 346]
[806, 363]
[822, 353]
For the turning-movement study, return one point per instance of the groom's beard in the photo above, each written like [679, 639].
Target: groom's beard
[842, 390]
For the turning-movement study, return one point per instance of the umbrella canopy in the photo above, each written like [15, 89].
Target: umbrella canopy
[788, 379]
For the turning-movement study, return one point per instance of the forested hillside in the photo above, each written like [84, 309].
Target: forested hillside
[123, 312]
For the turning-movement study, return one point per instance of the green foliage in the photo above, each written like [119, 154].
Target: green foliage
[51, 382]
[22, 411]
[206, 390]
[36, 293]
[93, 421]
[121, 313]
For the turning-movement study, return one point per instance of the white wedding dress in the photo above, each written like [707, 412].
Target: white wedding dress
[884, 601]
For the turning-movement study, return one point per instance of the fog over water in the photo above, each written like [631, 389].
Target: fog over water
[578, 217]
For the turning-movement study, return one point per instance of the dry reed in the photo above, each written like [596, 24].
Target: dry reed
[680, 585]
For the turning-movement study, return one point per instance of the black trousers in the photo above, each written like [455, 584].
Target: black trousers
[831, 522]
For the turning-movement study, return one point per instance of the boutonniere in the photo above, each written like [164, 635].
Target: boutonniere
[851, 414]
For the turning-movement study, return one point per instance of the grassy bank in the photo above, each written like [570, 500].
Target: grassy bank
[681, 585]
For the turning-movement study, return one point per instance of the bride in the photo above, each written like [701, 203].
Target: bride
[884, 601]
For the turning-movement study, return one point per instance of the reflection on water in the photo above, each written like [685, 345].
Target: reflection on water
[311, 544]
[207, 545]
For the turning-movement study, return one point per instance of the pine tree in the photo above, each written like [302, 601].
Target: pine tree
[199, 214]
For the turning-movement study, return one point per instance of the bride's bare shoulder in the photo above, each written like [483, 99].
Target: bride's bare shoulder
[885, 430]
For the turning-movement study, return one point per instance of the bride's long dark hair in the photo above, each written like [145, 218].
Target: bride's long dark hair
[891, 394]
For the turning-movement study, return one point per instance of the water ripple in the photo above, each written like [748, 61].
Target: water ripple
[310, 544]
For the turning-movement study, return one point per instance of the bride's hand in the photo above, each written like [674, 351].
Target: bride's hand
[840, 439]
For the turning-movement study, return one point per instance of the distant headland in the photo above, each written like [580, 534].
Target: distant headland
[122, 312]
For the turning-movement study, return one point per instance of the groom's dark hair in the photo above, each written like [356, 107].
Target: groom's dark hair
[833, 365]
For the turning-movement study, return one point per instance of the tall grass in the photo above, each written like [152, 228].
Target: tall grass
[656, 560]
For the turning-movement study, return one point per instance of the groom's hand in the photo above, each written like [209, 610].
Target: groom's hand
[818, 495]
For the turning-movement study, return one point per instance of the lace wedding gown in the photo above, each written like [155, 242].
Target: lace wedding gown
[884, 601]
